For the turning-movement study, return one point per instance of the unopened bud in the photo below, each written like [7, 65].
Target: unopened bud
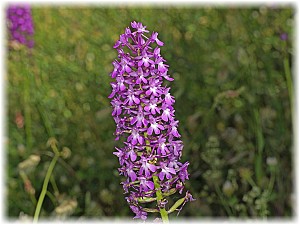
[228, 188]
[67, 207]
[271, 161]
[28, 187]
[66, 153]
[51, 142]
[29, 163]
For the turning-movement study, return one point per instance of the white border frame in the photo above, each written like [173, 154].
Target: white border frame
[296, 124]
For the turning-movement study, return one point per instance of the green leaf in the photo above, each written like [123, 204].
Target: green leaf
[145, 200]
[150, 210]
[172, 191]
[176, 205]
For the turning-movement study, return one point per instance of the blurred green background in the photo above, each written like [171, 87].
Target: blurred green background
[233, 90]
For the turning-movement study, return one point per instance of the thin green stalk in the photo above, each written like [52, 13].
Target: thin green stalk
[260, 143]
[26, 179]
[53, 183]
[27, 114]
[288, 77]
[51, 196]
[33, 199]
[45, 186]
[45, 120]
[251, 182]
[223, 201]
[159, 196]
[272, 182]
[289, 82]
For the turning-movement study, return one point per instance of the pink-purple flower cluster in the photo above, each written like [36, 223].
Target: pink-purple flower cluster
[145, 120]
[20, 24]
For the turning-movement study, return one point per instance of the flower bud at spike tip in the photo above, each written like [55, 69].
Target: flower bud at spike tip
[142, 108]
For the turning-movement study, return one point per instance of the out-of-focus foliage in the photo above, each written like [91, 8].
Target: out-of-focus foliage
[231, 71]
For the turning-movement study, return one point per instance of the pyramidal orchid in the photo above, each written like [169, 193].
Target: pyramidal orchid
[142, 108]
[20, 24]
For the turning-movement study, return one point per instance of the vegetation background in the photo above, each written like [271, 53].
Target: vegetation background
[233, 89]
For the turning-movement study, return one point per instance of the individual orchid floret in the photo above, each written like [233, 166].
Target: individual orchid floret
[154, 38]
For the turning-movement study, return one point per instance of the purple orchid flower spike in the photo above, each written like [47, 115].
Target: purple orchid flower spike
[20, 24]
[142, 107]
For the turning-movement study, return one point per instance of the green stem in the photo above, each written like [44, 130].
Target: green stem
[45, 186]
[55, 188]
[159, 196]
[25, 179]
[251, 182]
[289, 83]
[223, 201]
[27, 114]
[33, 199]
[51, 196]
[288, 77]
[260, 143]
[272, 182]
[46, 120]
